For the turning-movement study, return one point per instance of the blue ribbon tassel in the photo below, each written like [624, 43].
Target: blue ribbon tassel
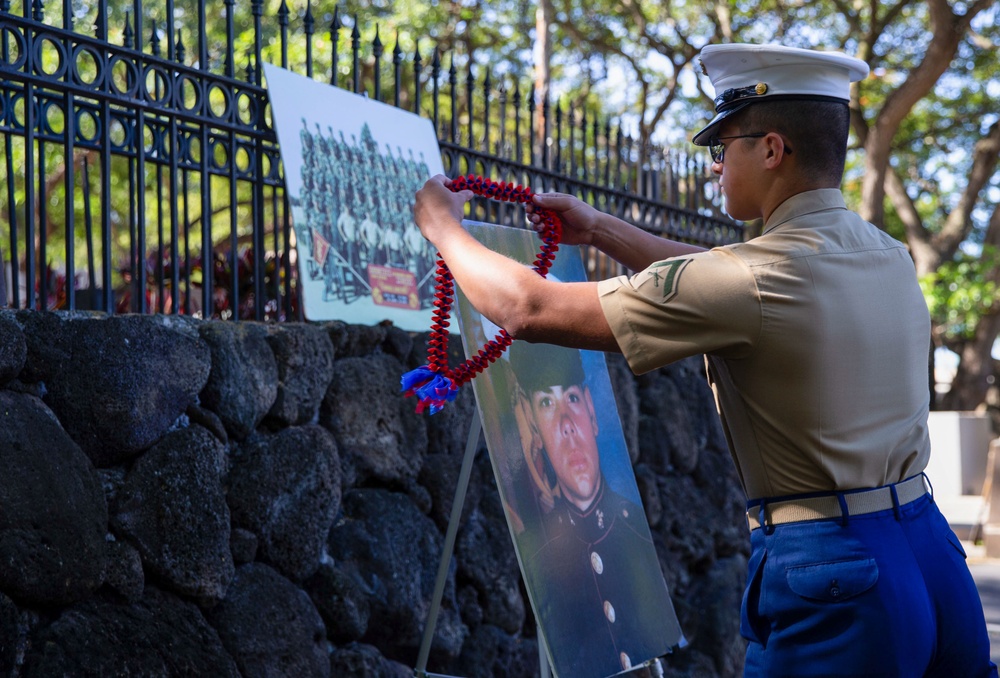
[431, 388]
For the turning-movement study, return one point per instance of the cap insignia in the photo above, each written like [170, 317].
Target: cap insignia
[734, 94]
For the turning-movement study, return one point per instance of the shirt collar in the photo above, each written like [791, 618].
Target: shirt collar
[807, 202]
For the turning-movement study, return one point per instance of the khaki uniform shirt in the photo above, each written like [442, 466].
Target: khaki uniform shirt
[816, 338]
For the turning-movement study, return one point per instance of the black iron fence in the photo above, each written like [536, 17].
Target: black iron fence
[139, 175]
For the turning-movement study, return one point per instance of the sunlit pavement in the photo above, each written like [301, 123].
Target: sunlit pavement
[986, 572]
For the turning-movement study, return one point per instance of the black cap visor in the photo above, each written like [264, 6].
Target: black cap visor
[710, 131]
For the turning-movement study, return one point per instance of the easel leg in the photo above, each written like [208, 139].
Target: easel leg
[449, 542]
[543, 656]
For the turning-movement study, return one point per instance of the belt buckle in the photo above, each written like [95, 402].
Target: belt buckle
[760, 518]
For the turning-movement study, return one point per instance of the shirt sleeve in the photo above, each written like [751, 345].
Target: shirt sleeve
[703, 303]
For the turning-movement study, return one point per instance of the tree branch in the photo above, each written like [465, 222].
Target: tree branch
[956, 228]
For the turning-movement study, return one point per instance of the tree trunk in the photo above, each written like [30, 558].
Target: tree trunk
[972, 379]
[976, 364]
[544, 16]
[947, 31]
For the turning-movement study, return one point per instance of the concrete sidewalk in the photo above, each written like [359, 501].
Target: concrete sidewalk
[986, 572]
[962, 513]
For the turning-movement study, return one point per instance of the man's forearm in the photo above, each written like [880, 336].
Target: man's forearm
[491, 281]
[516, 298]
[633, 247]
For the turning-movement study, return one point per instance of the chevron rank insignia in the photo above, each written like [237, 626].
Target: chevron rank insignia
[666, 274]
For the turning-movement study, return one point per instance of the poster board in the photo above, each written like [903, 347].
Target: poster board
[573, 511]
[352, 166]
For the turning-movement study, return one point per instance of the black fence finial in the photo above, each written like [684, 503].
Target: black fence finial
[335, 27]
[128, 35]
[154, 39]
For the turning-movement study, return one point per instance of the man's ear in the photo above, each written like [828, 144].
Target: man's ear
[590, 408]
[774, 150]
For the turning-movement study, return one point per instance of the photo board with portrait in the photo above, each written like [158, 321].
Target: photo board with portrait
[352, 166]
[568, 489]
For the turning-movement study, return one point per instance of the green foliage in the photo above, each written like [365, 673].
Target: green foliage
[960, 292]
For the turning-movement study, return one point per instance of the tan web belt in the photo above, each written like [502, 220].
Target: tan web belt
[828, 506]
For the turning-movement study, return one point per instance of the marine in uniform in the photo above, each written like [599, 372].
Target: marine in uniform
[816, 339]
[589, 575]
[307, 195]
[589, 563]
[392, 245]
[347, 228]
[371, 240]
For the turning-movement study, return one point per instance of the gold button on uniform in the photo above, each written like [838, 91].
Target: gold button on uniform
[596, 562]
[609, 611]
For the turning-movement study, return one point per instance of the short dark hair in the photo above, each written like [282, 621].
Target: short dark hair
[539, 367]
[816, 131]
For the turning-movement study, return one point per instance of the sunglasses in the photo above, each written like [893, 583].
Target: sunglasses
[718, 150]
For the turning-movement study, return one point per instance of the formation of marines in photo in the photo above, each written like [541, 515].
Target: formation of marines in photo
[356, 200]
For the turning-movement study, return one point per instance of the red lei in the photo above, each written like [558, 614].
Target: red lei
[435, 383]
